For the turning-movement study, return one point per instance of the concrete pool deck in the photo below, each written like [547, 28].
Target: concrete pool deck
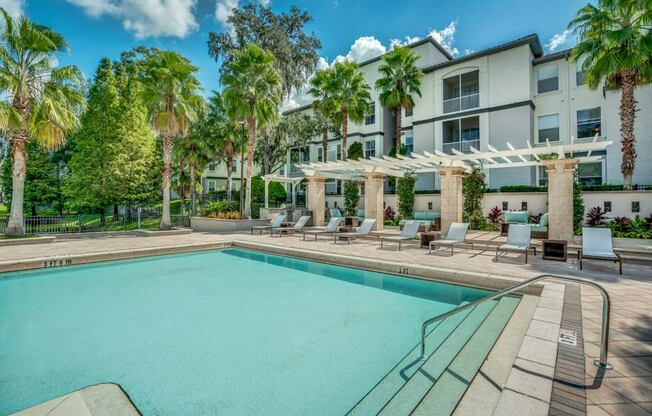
[627, 389]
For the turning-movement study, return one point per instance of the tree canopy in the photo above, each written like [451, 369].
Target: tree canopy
[281, 34]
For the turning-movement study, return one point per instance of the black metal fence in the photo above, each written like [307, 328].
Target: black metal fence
[60, 224]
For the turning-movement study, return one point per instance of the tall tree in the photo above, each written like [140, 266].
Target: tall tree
[90, 185]
[293, 131]
[616, 45]
[348, 96]
[281, 34]
[229, 135]
[400, 80]
[114, 150]
[252, 91]
[322, 106]
[195, 150]
[171, 93]
[44, 100]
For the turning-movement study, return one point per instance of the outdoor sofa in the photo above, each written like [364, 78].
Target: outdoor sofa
[428, 220]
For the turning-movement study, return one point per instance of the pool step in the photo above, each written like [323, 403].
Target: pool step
[456, 348]
[376, 398]
[448, 390]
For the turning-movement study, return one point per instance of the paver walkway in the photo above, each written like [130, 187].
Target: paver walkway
[626, 390]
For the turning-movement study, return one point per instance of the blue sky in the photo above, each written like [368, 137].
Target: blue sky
[97, 28]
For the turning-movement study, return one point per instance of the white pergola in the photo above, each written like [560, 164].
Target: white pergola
[451, 168]
[282, 179]
[427, 162]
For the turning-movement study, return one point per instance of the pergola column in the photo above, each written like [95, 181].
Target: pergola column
[316, 198]
[374, 196]
[451, 195]
[560, 197]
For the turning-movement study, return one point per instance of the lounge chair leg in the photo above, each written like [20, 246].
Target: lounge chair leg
[525, 256]
[452, 249]
[496, 255]
[620, 262]
[580, 256]
[399, 246]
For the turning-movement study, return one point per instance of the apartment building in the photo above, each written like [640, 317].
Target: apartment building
[509, 93]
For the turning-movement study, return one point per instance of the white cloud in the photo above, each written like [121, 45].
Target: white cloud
[146, 18]
[13, 7]
[364, 48]
[224, 9]
[446, 37]
[558, 40]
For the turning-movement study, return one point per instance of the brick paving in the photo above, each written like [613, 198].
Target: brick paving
[625, 390]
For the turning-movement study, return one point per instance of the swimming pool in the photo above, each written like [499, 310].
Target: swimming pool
[217, 332]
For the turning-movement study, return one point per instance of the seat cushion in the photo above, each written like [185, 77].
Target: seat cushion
[544, 220]
[539, 228]
[516, 217]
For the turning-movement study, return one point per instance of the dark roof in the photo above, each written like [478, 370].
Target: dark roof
[531, 39]
[552, 57]
[427, 39]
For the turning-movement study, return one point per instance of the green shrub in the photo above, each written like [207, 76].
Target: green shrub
[351, 198]
[276, 191]
[523, 188]
[221, 207]
[355, 151]
[405, 190]
[578, 205]
[473, 189]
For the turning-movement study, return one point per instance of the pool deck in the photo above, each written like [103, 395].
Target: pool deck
[625, 390]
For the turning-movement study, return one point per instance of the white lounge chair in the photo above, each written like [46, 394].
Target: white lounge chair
[332, 227]
[276, 223]
[597, 244]
[363, 230]
[409, 232]
[518, 240]
[456, 235]
[298, 227]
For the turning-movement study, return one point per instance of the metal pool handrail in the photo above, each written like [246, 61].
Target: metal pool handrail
[606, 308]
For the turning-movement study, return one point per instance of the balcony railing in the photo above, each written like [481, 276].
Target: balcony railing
[462, 146]
[462, 103]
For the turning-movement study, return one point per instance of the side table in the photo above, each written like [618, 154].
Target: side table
[428, 236]
[554, 250]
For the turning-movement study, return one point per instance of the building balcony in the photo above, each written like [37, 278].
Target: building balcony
[465, 102]
[462, 146]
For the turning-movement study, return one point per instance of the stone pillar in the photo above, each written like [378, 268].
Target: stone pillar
[451, 196]
[316, 198]
[560, 197]
[374, 196]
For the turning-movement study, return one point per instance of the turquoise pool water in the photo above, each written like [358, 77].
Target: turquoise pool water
[228, 332]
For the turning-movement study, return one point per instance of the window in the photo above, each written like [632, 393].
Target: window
[590, 173]
[409, 143]
[588, 123]
[234, 165]
[212, 186]
[580, 75]
[334, 152]
[461, 92]
[409, 112]
[543, 176]
[548, 78]
[212, 166]
[461, 134]
[320, 154]
[370, 118]
[333, 187]
[369, 149]
[549, 128]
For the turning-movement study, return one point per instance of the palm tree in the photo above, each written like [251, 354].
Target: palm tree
[322, 105]
[616, 45]
[252, 91]
[170, 92]
[347, 95]
[400, 80]
[44, 101]
[228, 135]
[193, 152]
